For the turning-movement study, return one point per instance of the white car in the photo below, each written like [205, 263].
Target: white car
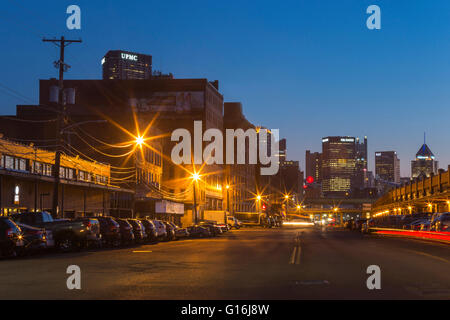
[233, 222]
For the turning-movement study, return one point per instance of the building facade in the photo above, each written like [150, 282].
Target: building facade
[27, 181]
[240, 178]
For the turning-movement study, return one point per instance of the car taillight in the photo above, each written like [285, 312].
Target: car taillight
[87, 224]
[444, 227]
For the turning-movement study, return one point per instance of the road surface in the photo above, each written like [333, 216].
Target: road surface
[253, 263]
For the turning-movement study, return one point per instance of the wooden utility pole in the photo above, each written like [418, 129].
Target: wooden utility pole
[61, 43]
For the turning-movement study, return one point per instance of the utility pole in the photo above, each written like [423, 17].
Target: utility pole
[60, 106]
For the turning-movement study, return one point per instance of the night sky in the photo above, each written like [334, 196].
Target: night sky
[310, 68]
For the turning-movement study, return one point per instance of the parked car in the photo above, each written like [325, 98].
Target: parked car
[92, 237]
[425, 226]
[150, 230]
[170, 231]
[436, 218]
[110, 231]
[197, 231]
[213, 228]
[11, 239]
[233, 222]
[126, 231]
[68, 234]
[160, 229]
[443, 224]
[180, 232]
[415, 224]
[223, 226]
[34, 239]
[138, 230]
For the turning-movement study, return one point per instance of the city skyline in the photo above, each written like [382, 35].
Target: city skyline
[385, 82]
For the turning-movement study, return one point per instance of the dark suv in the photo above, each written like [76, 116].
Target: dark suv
[110, 231]
[150, 230]
[11, 239]
[138, 230]
[126, 231]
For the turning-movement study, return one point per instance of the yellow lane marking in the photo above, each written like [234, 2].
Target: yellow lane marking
[429, 255]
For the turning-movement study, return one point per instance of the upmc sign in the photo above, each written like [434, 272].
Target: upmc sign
[127, 56]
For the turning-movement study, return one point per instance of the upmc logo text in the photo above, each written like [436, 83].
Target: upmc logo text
[127, 56]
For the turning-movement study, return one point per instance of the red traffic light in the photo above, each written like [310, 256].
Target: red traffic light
[264, 206]
[309, 179]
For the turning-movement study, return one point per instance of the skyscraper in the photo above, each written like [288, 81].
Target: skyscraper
[387, 166]
[425, 163]
[313, 165]
[125, 65]
[282, 151]
[360, 178]
[338, 165]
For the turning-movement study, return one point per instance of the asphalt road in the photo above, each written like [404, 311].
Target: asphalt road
[286, 263]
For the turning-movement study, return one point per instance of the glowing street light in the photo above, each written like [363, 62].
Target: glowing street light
[195, 177]
[139, 140]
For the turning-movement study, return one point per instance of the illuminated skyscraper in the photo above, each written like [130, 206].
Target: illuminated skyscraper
[387, 166]
[425, 163]
[313, 165]
[125, 65]
[360, 180]
[338, 165]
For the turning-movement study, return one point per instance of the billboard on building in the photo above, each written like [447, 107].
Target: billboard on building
[179, 102]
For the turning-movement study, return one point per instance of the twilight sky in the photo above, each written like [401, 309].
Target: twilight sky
[310, 68]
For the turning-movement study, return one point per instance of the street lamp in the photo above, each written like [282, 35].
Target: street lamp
[195, 177]
[228, 197]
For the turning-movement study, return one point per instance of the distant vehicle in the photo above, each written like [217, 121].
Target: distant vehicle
[11, 239]
[358, 224]
[110, 231]
[34, 239]
[138, 230]
[160, 229]
[278, 221]
[126, 231]
[68, 234]
[197, 231]
[233, 222]
[150, 230]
